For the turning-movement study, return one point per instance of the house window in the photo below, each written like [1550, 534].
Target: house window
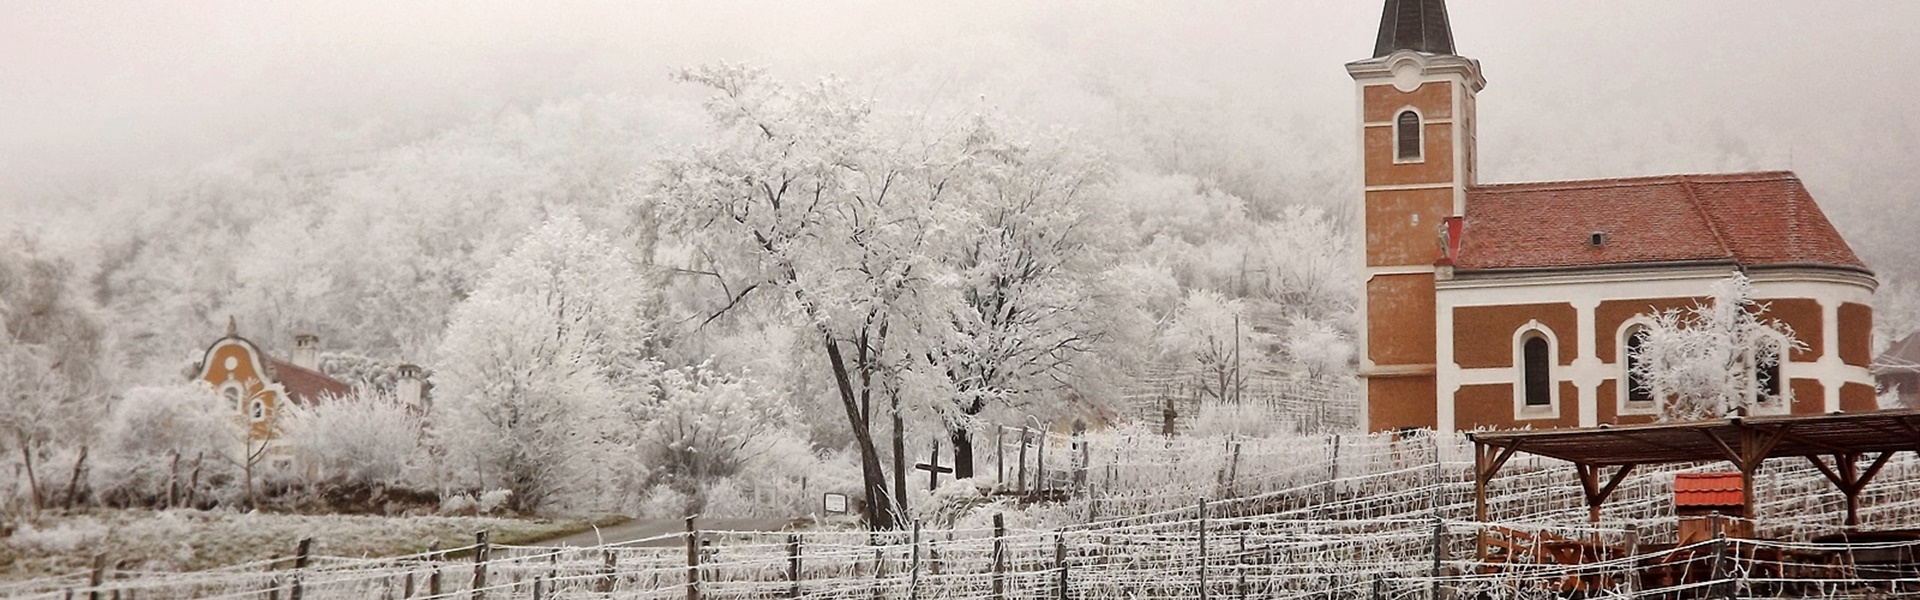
[1407, 135]
[1766, 372]
[1539, 381]
[1637, 388]
[258, 411]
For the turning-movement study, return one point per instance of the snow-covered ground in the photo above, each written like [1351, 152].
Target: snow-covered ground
[175, 540]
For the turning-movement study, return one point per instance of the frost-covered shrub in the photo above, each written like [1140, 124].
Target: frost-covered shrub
[665, 502]
[458, 505]
[493, 500]
[707, 425]
[1244, 420]
[363, 439]
[157, 436]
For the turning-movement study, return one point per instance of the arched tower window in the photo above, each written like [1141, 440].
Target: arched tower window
[1766, 372]
[1407, 136]
[1637, 389]
[1539, 379]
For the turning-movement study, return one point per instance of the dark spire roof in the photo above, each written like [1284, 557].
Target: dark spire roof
[1419, 25]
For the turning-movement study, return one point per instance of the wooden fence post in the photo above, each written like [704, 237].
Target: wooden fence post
[302, 551]
[1020, 484]
[480, 552]
[999, 556]
[1233, 471]
[1203, 548]
[1439, 553]
[793, 565]
[433, 577]
[1000, 454]
[1040, 463]
[96, 576]
[693, 561]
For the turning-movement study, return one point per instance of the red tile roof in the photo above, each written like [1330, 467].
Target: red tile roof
[307, 386]
[1706, 489]
[1752, 219]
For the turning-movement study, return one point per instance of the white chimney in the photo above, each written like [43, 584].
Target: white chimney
[412, 388]
[306, 351]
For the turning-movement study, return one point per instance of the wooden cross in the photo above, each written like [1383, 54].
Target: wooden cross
[933, 468]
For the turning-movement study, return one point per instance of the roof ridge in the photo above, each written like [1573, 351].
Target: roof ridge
[1713, 226]
[1743, 176]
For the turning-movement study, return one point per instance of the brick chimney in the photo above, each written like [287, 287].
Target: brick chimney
[306, 351]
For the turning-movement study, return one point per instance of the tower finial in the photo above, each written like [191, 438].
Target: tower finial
[1418, 25]
[232, 330]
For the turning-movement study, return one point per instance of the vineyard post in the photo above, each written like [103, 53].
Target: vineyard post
[1633, 549]
[693, 561]
[1233, 469]
[607, 571]
[433, 577]
[1439, 552]
[406, 586]
[999, 556]
[913, 575]
[879, 570]
[1060, 559]
[1240, 566]
[793, 565]
[1379, 586]
[97, 575]
[1203, 548]
[301, 553]
[480, 553]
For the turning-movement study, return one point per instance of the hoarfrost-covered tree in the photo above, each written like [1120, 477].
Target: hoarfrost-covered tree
[537, 363]
[53, 346]
[1208, 332]
[1032, 239]
[1717, 358]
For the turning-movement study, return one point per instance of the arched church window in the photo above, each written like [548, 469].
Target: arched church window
[232, 395]
[1407, 136]
[1539, 380]
[1637, 388]
[258, 411]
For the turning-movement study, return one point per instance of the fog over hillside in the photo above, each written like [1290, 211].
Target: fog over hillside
[1250, 96]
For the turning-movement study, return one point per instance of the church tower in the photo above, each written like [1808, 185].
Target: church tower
[1416, 100]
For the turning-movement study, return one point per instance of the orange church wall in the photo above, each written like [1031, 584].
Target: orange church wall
[1383, 102]
[1483, 335]
[1400, 320]
[1856, 335]
[1394, 238]
[1400, 403]
[1490, 406]
[253, 384]
[1803, 315]
[1611, 314]
[1437, 168]
[1858, 397]
[1809, 397]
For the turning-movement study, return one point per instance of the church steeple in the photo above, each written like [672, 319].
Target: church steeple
[1418, 25]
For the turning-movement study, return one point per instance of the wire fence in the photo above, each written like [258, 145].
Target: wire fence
[1320, 516]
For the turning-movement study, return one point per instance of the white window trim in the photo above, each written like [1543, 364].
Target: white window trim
[1623, 406]
[1521, 410]
[1420, 129]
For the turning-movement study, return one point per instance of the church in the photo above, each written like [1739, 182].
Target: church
[1514, 305]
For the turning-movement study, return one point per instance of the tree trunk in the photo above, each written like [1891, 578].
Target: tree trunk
[879, 506]
[962, 452]
[73, 482]
[33, 482]
[899, 454]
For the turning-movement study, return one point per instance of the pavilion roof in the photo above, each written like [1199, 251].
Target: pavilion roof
[1717, 439]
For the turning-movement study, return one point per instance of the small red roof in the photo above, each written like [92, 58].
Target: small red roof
[1706, 489]
[1752, 219]
[307, 386]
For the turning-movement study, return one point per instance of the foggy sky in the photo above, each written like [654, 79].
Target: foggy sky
[94, 94]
